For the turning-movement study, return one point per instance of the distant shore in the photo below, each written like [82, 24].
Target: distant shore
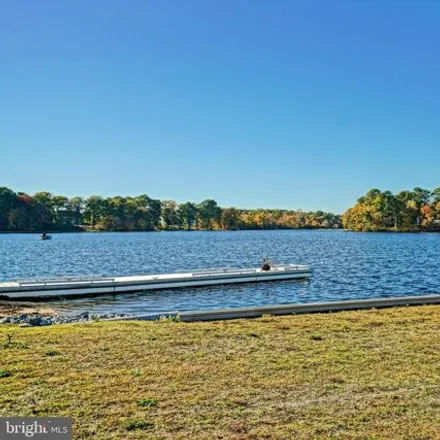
[95, 231]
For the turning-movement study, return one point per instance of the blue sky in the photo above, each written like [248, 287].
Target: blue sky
[288, 104]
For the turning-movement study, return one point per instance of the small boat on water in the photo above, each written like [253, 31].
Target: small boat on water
[75, 287]
[46, 236]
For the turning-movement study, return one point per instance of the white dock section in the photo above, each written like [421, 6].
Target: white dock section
[82, 286]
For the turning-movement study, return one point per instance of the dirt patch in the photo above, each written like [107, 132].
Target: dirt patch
[20, 308]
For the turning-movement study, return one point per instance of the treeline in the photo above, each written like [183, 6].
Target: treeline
[45, 211]
[417, 210]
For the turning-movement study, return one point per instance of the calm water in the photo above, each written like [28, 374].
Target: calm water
[346, 265]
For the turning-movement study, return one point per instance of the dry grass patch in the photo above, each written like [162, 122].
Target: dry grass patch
[351, 375]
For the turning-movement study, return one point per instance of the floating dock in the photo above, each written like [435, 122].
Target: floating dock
[40, 289]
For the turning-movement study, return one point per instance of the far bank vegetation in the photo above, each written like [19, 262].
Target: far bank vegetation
[45, 211]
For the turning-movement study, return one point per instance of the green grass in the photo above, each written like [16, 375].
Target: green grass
[352, 375]
[147, 402]
[52, 352]
[10, 343]
[138, 425]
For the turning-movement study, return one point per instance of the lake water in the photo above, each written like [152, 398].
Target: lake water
[346, 265]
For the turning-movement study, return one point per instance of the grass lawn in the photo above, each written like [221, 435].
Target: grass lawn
[351, 375]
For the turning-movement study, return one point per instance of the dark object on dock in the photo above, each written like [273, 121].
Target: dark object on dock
[266, 265]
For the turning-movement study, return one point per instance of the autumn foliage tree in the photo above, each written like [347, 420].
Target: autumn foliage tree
[45, 211]
[417, 210]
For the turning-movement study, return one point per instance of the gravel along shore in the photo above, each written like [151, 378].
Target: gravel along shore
[38, 320]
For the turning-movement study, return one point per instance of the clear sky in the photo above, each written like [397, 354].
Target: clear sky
[289, 104]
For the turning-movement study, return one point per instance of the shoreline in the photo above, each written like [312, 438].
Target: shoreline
[84, 231]
[30, 314]
[103, 231]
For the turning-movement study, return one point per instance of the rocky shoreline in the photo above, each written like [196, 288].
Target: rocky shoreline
[37, 320]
